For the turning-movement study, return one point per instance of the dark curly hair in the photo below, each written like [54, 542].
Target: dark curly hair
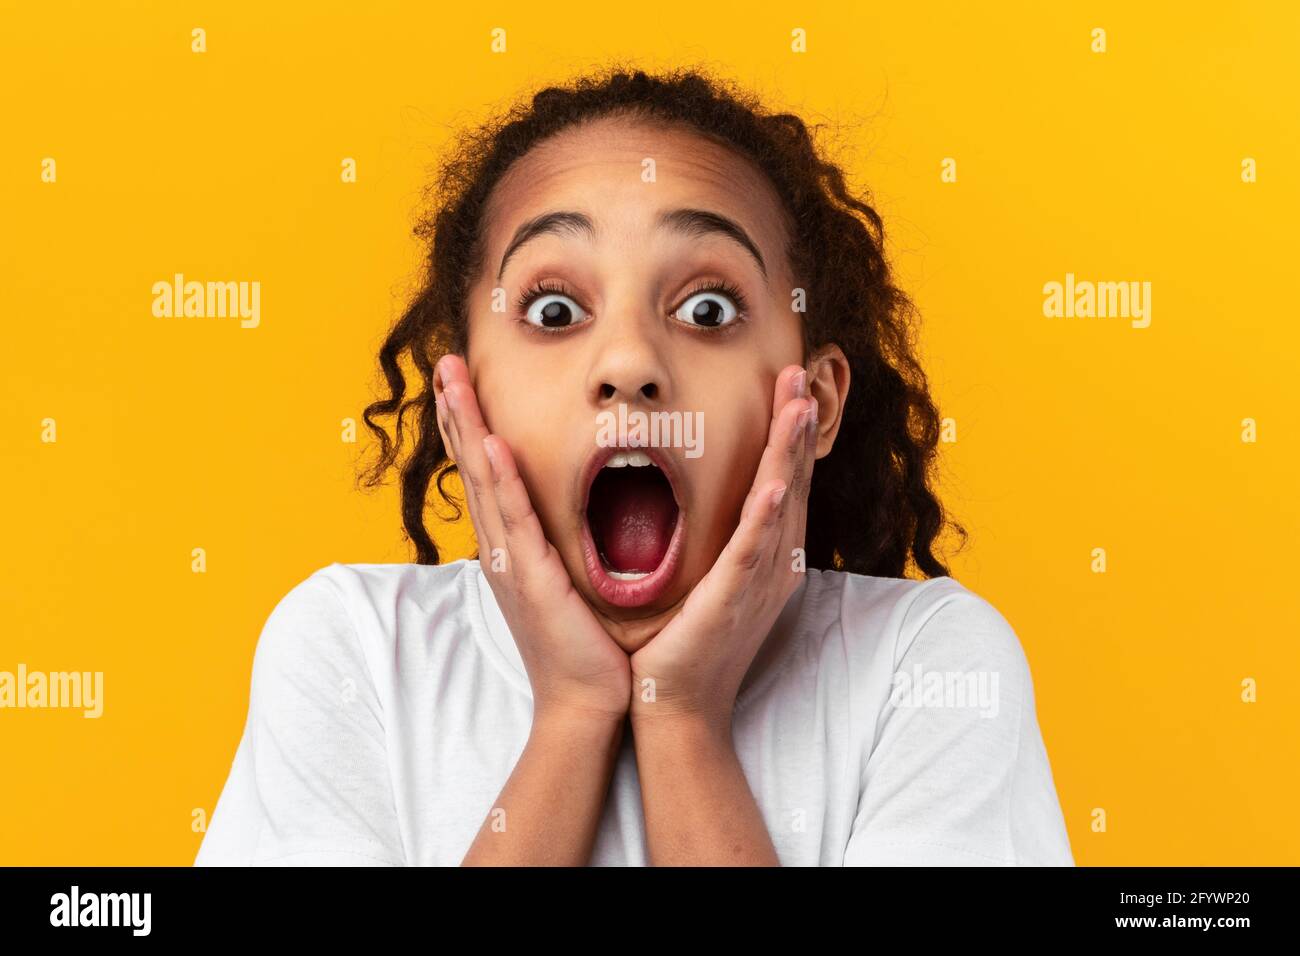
[871, 508]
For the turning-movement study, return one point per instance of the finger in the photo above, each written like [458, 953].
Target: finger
[752, 550]
[474, 468]
[444, 413]
[782, 449]
[769, 518]
[751, 546]
[448, 421]
[524, 540]
[795, 523]
[792, 383]
[464, 470]
[471, 461]
[449, 428]
[792, 469]
[804, 452]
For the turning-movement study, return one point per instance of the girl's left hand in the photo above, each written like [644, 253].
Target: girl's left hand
[695, 666]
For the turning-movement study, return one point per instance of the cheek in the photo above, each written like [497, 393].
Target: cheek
[510, 421]
[539, 456]
[547, 481]
[725, 472]
[512, 400]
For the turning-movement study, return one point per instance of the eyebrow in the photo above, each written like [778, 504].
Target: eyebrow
[693, 222]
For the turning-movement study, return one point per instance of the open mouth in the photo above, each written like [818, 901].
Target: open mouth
[632, 512]
[633, 525]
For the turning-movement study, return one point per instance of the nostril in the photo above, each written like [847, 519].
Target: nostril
[607, 391]
[650, 389]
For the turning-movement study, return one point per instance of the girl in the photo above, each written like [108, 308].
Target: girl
[662, 654]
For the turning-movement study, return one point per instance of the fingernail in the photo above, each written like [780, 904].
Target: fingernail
[815, 408]
[451, 399]
[801, 383]
[491, 455]
[777, 496]
[804, 418]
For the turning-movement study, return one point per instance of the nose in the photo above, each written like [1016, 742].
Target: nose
[629, 365]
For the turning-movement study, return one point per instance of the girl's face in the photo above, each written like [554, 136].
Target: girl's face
[608, 249]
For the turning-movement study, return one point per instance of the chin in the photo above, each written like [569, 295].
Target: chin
[635, 637]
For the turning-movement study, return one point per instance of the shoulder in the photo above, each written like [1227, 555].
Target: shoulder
[354, 582]
[900, 620]
[953, 765]
[884, 634]
[383, 590]
[340, 607]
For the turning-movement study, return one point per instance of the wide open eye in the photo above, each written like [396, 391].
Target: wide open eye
[551, 310]
[709, 308]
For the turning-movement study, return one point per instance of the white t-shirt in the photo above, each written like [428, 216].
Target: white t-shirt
[389, 705]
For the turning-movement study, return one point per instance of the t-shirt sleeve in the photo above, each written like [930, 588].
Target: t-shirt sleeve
[958, 774]
[310, 783]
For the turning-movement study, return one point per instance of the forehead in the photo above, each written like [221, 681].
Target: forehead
[599, 169]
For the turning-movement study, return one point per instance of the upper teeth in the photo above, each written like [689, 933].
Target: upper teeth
[637, 459]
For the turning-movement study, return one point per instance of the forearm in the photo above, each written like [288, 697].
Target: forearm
[698, 807]
[549, 809]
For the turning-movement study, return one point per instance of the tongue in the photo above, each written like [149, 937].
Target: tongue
[636, 513]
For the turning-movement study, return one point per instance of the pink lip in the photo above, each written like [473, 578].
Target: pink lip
[653, 585]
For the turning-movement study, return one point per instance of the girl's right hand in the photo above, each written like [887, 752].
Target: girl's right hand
[575, 668]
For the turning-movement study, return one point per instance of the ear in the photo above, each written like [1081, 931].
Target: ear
[828, 382]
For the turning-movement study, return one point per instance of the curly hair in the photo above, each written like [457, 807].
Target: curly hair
[871, 508]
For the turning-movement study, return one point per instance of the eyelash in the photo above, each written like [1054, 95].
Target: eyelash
[536, 291]
[552, 287]
[729, 290]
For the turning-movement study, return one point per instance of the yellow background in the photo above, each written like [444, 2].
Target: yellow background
[1072, 434]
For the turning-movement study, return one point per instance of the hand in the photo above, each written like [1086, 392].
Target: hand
[699, 660]
[574, 666]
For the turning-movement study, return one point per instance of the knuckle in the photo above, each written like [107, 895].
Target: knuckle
[748, 558]
[516, 511]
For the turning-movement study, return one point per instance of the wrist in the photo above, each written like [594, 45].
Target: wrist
[694, 729]
[562, 721]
